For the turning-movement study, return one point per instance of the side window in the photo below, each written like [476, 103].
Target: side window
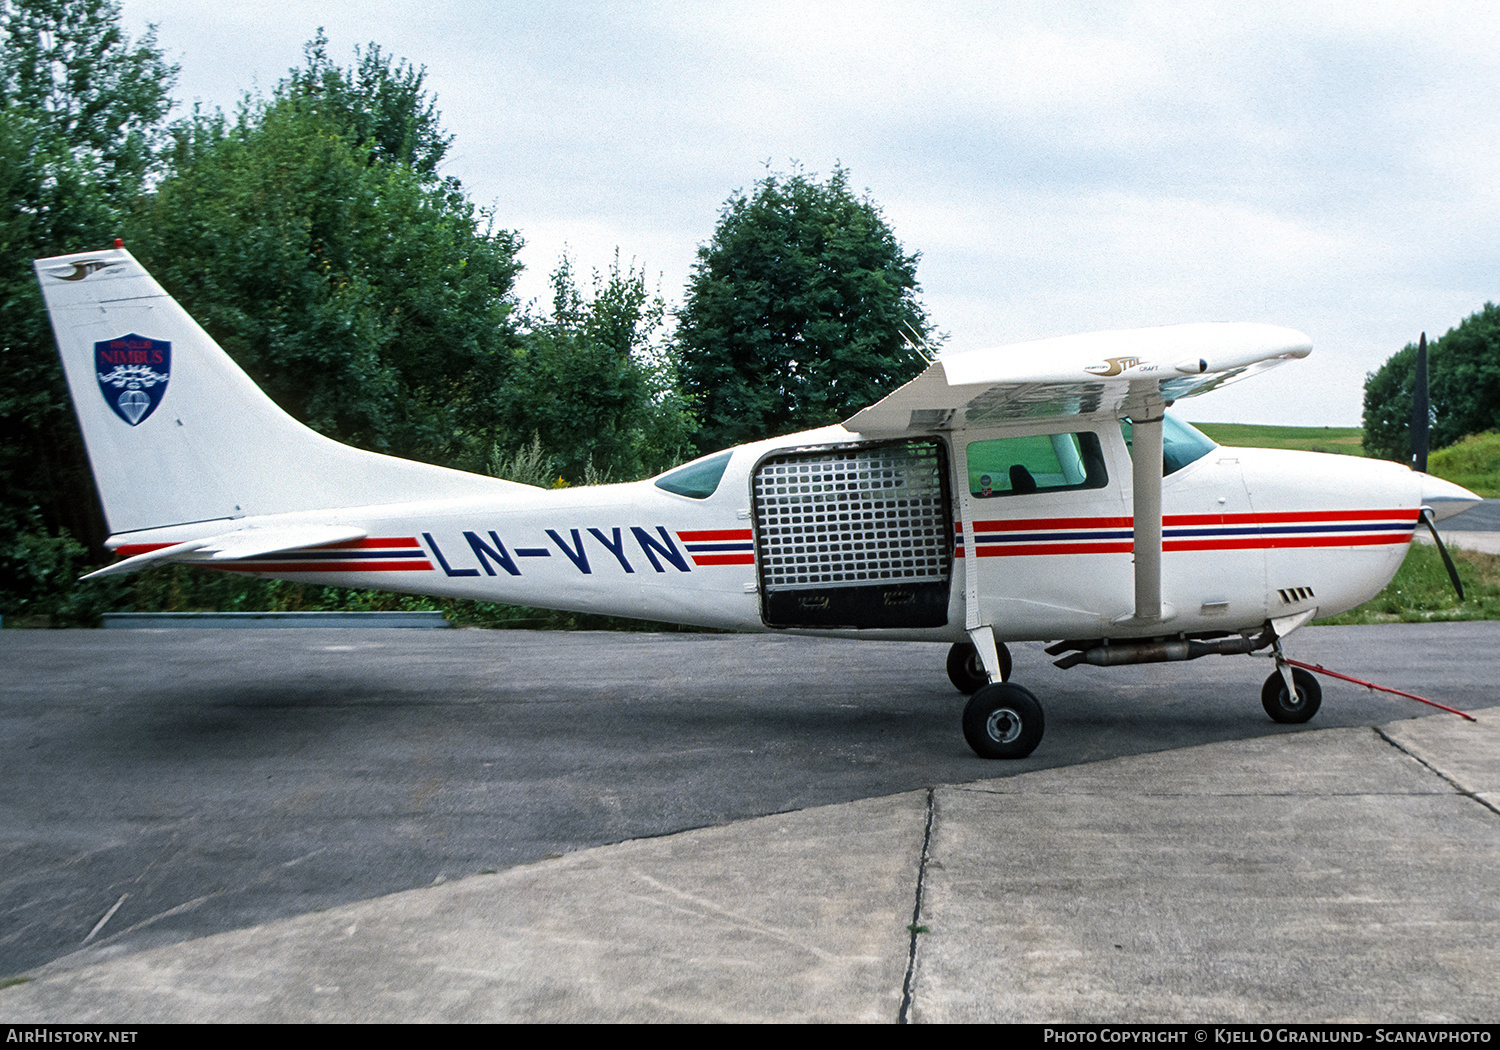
[697, 479]
[1040, 463]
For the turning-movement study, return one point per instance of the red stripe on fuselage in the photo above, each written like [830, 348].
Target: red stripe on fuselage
[1276, 542]
[365, 544]
[1289, 516]
[1013, 550]
[344, 567]
[1051, 524]
[130, 550]
[1270, 518]
[1257, 541]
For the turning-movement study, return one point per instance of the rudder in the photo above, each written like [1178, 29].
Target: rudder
[176, 432]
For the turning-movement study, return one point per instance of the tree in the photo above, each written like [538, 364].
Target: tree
[596, 386]
[1464, 382]
[798, 311]
[313, 238]
[378, 102]
[82, 113]
[70, 63]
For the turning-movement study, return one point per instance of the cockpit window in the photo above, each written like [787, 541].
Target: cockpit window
[1017, 466]
[1181, 443]
[697, 479]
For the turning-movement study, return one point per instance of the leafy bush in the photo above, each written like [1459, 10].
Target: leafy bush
[1473, 463]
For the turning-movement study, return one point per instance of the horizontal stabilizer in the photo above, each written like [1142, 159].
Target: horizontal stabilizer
[236, 546]
[1093, 373]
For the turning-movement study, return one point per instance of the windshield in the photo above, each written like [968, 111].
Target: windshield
[1181, 443]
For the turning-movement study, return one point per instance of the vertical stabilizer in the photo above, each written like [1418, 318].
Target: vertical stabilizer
[177, 433]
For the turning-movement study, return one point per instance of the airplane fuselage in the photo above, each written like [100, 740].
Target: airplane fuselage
[833, 533]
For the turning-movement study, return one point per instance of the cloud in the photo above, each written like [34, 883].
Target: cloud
[1060, 167]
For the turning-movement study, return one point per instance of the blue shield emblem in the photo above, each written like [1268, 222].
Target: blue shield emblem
[133, 373]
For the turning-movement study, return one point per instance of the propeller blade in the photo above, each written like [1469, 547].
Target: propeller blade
[1447, 561]
[1420, 413]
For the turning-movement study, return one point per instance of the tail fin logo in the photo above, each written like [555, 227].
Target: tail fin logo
[133, 372]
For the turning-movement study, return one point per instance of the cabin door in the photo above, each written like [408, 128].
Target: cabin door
[857, 535]
[1046, 531]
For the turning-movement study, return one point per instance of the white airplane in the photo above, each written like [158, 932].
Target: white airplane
[1029, 492]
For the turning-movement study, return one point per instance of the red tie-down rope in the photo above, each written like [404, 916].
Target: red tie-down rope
[1384, 689]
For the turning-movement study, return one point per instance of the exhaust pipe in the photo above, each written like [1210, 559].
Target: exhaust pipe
[1156, 650]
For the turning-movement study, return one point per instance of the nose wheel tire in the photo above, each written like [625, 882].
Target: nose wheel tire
[1003, 721]
[1281, 707]
[967, 673]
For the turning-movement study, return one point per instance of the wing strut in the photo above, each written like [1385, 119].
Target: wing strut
[1145, 408]
[1146, 474]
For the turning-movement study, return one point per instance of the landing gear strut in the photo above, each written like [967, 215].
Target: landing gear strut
[1290, 695]
[966, 672]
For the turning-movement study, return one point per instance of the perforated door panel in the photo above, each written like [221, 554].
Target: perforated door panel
[855, 536]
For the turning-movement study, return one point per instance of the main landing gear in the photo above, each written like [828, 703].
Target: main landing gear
[966, 672]
[1004, 720]
[1001, 720]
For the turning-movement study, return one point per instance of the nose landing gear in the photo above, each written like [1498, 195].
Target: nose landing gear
[1282, 706]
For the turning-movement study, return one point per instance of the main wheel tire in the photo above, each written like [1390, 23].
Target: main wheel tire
[967, 673]
[1281, 707]
[1003, 720]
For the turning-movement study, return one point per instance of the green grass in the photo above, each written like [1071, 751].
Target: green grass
[1341, 440]
[1473, 463]
[1421, 591]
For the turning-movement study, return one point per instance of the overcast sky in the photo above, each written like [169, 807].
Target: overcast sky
[1060, 167]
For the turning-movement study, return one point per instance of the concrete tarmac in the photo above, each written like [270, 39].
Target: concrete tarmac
[1343, 874]
[1483, 517]
[160, 786]
[1476, 529]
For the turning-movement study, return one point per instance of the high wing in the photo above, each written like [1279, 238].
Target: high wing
[1116, 372]
[1132, 373]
